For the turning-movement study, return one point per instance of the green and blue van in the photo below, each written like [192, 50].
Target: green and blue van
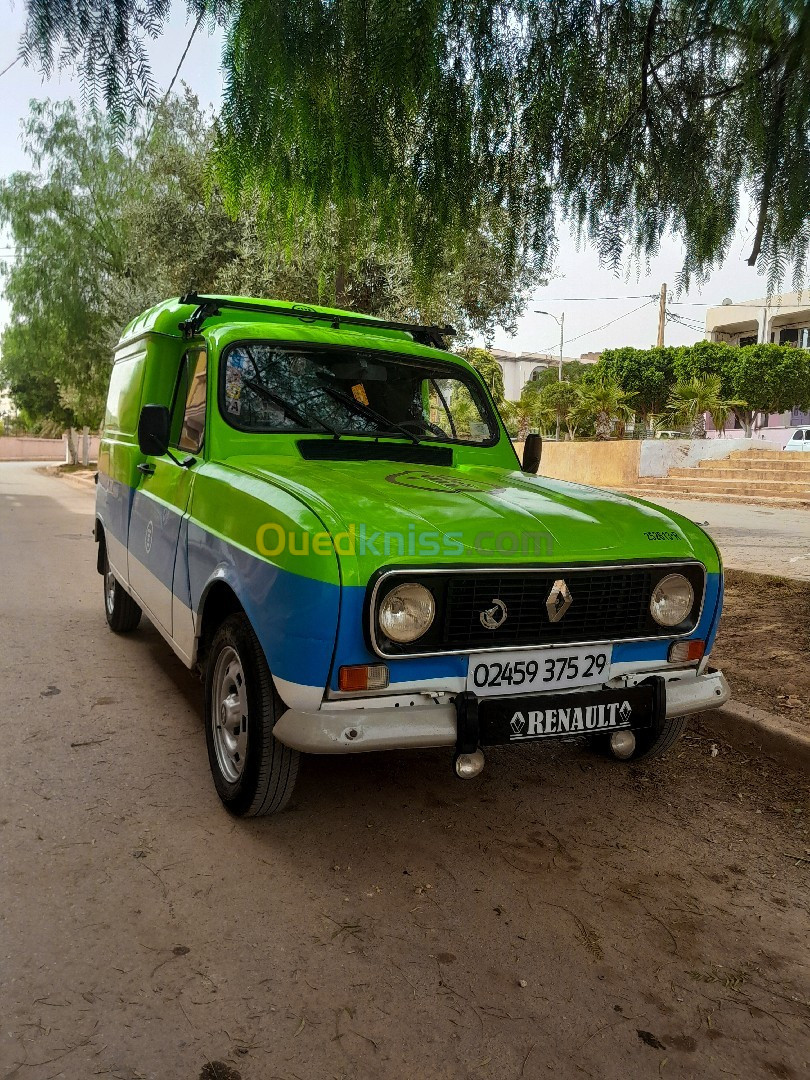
[323, 513]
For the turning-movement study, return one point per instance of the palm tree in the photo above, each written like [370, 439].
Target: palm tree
[691, 399]
[605, 401]
[563, 400]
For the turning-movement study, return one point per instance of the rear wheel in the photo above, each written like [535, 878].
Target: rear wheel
[123, 614]
[253, 772]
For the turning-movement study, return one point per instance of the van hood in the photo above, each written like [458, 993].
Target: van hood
[419, 514]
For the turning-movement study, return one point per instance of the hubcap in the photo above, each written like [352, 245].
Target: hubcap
[229, 714]
[109, 590]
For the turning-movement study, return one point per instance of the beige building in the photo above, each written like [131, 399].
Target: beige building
[520, 368]
[783, 319]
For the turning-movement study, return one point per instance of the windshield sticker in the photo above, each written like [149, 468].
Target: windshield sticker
[452, 484]
[359, 394]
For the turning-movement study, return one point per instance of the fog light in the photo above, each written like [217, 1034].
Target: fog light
[683, 651]
[468, 766]
[363, 677]
[623, 744]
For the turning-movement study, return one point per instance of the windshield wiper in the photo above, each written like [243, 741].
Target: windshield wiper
[366, 410]
[287, 409]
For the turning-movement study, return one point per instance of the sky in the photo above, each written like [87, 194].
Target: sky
[576, 288]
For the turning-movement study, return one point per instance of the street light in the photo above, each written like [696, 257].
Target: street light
[561, 323]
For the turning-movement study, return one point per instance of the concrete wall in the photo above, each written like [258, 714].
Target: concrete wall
[658, 456]
[28, 448]
[772, 436]
[14, 448]
[602, 464]
[621, 463]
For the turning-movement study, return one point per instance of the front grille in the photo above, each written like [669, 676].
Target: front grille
[609, 603]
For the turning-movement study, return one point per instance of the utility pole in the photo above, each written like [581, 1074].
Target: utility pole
[561, 323]
[562, 339]
[662, 315]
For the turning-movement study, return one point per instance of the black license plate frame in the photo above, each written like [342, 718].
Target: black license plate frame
[494, 721]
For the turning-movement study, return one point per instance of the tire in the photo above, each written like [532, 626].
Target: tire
[650, 743]
[656, 741]
[123, 614]
[253, 772]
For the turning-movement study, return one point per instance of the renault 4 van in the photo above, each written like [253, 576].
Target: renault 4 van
[323, 513]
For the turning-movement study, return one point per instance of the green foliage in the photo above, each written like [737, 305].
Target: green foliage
[768, 378]
[749, 380]
[572, 372]
[604, 401]
[691, 399]
[105, 230]
[648, 374]
[442, 119]
[490, 371]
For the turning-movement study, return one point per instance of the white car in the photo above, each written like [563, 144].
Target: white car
[799, 440]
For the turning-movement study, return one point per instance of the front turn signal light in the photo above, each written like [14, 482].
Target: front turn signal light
[363, 677]
[684, 651]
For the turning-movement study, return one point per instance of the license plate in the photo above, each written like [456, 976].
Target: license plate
[523, 671]
[504, 720]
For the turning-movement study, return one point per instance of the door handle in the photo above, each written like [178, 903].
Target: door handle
[146, 468]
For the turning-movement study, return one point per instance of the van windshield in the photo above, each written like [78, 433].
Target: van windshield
[266, 387]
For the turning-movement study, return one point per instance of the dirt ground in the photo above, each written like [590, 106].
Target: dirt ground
[763, 644]
[564, 915]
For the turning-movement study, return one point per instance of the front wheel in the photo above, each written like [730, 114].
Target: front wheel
[253, 772]
[650, 742]
[123, 614]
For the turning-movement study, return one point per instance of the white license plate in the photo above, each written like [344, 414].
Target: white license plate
[526, 671]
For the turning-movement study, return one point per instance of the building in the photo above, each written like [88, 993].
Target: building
[783, 320]
[521, 368]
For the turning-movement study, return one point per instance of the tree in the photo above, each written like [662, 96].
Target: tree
[532, 410]
[648, 374]
[105, 228]
[447, 117]
[564, 399]
[572, 372]
[768, 378]
[490, 371]
[691, 399]
[605, 401]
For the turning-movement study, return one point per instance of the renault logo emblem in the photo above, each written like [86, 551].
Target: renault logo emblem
[494, 616]
[559, 600]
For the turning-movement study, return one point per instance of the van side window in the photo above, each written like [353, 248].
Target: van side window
[798, 435]
[188, 410]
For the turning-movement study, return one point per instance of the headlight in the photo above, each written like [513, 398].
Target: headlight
[672, 600]
[406, 612]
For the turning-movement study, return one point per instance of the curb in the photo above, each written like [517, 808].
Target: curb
[80, 479]
[755, 732]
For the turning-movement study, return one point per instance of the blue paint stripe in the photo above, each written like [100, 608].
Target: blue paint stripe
[295, 616]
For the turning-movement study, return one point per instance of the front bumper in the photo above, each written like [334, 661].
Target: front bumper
[404, 727]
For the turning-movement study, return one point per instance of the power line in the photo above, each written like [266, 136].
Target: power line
[604, 326]
[176, 71]
[8, 67]
[572, 299]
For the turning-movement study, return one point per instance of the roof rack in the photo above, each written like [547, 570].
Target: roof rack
[208, 306]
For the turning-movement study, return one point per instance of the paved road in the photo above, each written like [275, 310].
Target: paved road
[759, 538]
[563, 916]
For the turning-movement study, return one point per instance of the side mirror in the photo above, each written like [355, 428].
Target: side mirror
[154, 429]
[532, 452]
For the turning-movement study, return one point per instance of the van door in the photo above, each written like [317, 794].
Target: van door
[162, 497]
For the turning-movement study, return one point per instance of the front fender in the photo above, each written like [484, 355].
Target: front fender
[293, 603]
